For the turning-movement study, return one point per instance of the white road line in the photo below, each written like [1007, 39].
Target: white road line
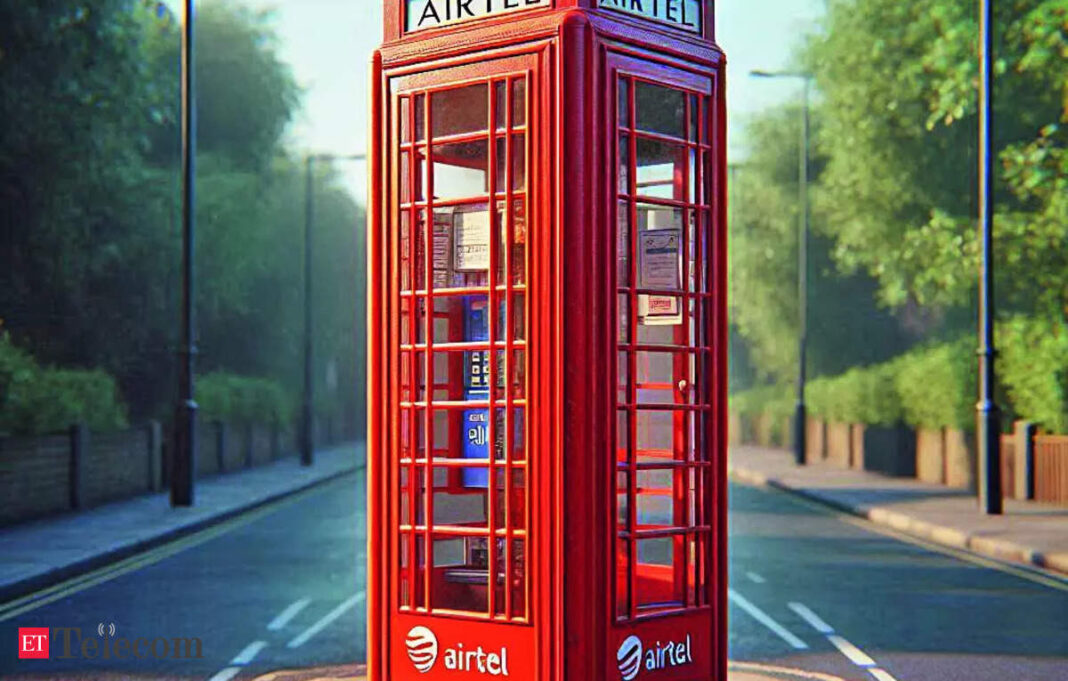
[226, 674]
[881, 674]
[249, 653]
[326, 621]
[289, 613]
[754, 577]
[762, 617]
[812, 618]
[855, 654]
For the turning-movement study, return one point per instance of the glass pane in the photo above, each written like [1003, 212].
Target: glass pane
[622, 437]
[457, 504]
[461, 246]
[622, 243]
[665, 377]
[656, 439]
[660, 110]
[519, 168]
[419, 433]
[655, 503]
[623, 110]
[419, 266]
[622, 499]
[623, 317]
[518, 315]
[516, 501]
[695, 118]
[658, 584]
[460, 169]
[460, 110]
[519, 242]
[403, 562]
[404, 248]
[405, 122]
[518, 578]
[419, 571]
[460, 319]
[624, 164]
[500, 106]
[519, 431]
[660, 169]
[622, 581]
[622, 378]
[515, 372]
[519, 102]
[420, 117]
[461, 565]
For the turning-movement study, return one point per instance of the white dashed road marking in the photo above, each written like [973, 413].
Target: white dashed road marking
[249, 653]
[754, 577]
[288, 614]
[855, 654]
[326, 621]
[765, 619]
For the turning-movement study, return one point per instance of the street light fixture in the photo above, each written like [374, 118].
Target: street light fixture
[307, 432]
[802, 257]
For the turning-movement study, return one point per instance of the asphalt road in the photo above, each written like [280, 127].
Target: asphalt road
[811, 589]
[281, 589]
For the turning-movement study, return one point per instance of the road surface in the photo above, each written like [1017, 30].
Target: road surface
[810, 589]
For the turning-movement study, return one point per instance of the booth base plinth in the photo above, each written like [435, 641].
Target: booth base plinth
[738, 671]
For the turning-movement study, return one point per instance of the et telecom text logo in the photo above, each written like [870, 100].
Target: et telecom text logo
[70, 643]
[33, 643]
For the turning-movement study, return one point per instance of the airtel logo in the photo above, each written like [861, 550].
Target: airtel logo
[632, 656]
[422, 646]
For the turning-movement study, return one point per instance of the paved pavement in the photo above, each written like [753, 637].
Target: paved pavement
[1028, 532]
[37, 554]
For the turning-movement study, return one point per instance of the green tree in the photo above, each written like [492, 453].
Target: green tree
[898, 83]
[846, 327]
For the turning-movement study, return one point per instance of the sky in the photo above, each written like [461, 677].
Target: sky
[328, 43]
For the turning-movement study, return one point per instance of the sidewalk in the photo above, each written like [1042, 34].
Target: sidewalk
[37, 554]
[1028, 532]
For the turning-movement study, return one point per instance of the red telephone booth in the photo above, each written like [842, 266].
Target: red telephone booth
[547, 342]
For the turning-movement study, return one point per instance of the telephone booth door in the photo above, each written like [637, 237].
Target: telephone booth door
[460, 512]
[668, 276]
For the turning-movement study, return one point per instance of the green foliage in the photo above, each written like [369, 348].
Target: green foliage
[1033, 367]
[243, 399]
[35, 399]
[89, 272]
[898, 102]
[937, 385]
[846, 326]
[860, 395]
[776, 400]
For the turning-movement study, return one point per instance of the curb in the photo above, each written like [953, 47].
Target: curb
[24, 587]
[999, 549]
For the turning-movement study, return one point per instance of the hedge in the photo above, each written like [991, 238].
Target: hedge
[1033, 368]
[931, 386]
[36, 399]
[245, 399]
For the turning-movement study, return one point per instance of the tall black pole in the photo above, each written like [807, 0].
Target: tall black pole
[802, 283]
[183, 470]
[307, 423]
[988, 427]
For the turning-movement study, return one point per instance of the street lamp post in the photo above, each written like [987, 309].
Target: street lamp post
[183, 463]
[800, 415]
[988, 426]
[307, 424]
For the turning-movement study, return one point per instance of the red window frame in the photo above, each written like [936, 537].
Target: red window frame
[414, 349]
[689, 463]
